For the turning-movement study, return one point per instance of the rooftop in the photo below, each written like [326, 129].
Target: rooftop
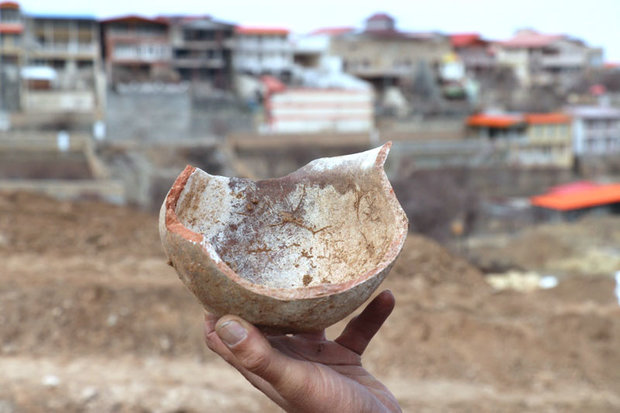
[194, 20]
[495, 121]
[467, 39]
[530, 39]
[132, 18]
[262, 30]
[584, 196]
[380, 16]
[333, 31]
[9, 5]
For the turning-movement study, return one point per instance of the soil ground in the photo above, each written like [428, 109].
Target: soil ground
[92, 319]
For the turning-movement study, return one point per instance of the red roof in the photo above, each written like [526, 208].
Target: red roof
[11, 28]
[273, 84]
[333, 31]
[494, 121]
[547, 118]
[466, 39]
[135, 19]
[262, 30]
[9, 5]
[530, 39]
[578, 199]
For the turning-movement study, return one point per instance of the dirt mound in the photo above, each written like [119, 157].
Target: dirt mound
[590, 246]
[94, 320]
[37, 224]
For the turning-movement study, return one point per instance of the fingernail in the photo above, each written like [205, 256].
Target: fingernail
[231, 333]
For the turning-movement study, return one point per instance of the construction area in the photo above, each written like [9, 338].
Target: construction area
[94, 320]
[505, 158]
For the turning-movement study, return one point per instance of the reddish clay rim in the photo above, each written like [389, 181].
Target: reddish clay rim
[173, 225]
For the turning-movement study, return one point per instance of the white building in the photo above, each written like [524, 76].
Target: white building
[262, 50]
[310, 50]
[596, 130]
[315, 110]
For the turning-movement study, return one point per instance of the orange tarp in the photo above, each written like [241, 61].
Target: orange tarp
[589, 197]
[494, 121]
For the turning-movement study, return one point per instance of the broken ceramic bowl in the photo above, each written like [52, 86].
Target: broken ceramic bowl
[292, 254]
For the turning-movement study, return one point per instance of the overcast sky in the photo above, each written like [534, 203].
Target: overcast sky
[595, 21]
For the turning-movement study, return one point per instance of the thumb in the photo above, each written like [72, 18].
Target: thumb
[253, 352]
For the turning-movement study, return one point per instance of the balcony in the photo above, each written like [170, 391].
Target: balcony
[255, 45]
[10, 45]
[66, 49]
[198, 62]
[563, 61]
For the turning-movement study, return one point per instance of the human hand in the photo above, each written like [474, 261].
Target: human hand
[306, 372]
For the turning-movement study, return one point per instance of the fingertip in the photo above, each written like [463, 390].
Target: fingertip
[384, 302]
[388, 297]
[387, 294]
[231, 330]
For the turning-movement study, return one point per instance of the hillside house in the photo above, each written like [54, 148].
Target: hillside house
[137, 49]
[474, 52]
[315, 110]
[61, 64]
[533, 140]
[596, 130]
[202, 49]
[547, 59]
[383, 55]
[263, 51]
[11, 55]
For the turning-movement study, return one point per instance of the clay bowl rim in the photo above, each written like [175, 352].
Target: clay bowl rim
[174, 225]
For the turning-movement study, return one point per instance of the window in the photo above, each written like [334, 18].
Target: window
[85, 64]
[58, 64]
[9, 15]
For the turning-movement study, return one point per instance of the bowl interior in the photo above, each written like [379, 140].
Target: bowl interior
[302, 230]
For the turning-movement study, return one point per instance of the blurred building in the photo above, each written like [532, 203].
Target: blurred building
[545, 59]
[474, 52]
[263, 51]
[62, 64]
[310, 50]
[137, 49]
[596, 130]
[385, 56]
[315, 67]
[549, 141]
[496, 126]
[315, 110]
[202, 50]
[11, 55]
[532, 140]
